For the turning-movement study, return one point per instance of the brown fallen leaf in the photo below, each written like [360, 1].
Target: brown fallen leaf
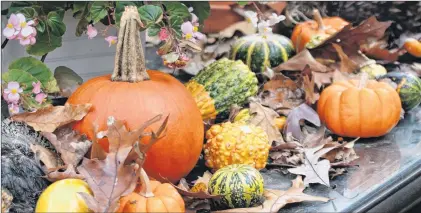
[69, 144]
[264, 117]
[378, 50]
[299, 61]
[200, 195]
[277, 199]
[49, 118]
[45, 156]
[336, 172]
[56, 174]
[302, 112]
[118, 174]
[347, 65]
[343, 153]
[308, 85]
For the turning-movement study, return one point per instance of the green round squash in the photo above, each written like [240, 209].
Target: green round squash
[258, 52]
[409, 88]
[221, 84]
[241, 186]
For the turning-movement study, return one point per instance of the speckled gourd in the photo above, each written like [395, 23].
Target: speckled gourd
[223, 83]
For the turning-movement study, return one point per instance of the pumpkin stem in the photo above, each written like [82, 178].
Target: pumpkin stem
[145, 190]
[129, 59]
[318, 18]
[363, 80]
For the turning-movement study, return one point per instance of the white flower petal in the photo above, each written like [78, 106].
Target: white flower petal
[187, 27]
[13, 85]
[30, 23]
[13, 97]
[26, 31]
[21, 17]
[8, 32]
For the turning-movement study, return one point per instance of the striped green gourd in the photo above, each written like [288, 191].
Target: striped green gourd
[221, 84]
[259, 52]
[241, 186]
[409, 88]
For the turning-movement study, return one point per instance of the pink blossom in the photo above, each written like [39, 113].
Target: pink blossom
[40, 97]
[194, 18]
[111, 40]
[25, 27]
[13, 108]
[29, 40]
[13, 89]
[190, 32]
[92, 32]
[37, 87]
[163, 34]
[10, 31]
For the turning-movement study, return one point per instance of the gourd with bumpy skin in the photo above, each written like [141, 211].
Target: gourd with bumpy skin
[311, 33]
[153, 196]
[240, 185]
[134, 95]
[359, 108]
[409, 88]
[236, 143]
[221, 84]
[259, 52]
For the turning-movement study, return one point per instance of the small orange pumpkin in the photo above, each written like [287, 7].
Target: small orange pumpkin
[355, 109]
[313, 32]
[413, 47]
[153, 196]
[134, 94]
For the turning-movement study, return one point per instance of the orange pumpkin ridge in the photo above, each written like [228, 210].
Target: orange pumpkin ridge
[152, 197]
[134, 94]
[305, 32]
[359, 108]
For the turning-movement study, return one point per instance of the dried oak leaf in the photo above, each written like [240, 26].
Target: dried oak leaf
[351, 38]
[56, 174]
[308, 85]
[117, 175]
[342, 154]
[299, 61]
[49, 118]
[264, 117]
[302, 112]
[200, 195]
[347, 65]
[277, 199]
[69, 144]
[45, 156]
[377, 50]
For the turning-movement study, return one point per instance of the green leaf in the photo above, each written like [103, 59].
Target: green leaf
[154, 30]
[99, 10]
[177, 9]
[28, 12]
[17, 6]
[119, 9]
[82, 12]
[44, 44]
[24, 78]
[200, 8]
[54, 21]
[38, 70]
[81, 27]
[41, 26]
[242, 3]
[79, 9]
[175, 23]
[150, 14]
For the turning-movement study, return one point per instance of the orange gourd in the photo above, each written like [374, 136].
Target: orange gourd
[315, 31]
[152, 197]
[359, 108]
[134, 94]
[413, 47]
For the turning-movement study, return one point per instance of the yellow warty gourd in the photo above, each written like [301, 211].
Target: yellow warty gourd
[236, 143]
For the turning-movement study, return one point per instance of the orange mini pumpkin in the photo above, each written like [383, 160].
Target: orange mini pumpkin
[413, 47]
[313, 32]
[134, 94]
[352, 109]
[153, 196]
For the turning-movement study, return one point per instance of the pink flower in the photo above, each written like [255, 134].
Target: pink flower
[13, 89]
[111, 40]
[13, 108]
[40, 97]
[25, 27]
[163, 34]
[37, 87]
[29, 40]
[190, 32]
[92, 32]
[10, 31]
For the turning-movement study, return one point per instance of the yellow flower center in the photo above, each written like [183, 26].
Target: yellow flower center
[23, 24]
[14, 91]
[10, 26]
[189, 36]
[248, 20]
[112, 41]
[195, 29]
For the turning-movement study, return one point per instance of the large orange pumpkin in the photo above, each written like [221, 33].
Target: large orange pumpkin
[134, 95]
[313, 32]
[351, 109]
[153, 196]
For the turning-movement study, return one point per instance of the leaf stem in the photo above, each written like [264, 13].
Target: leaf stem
[262, 16]
[43, 57]
[3, 45]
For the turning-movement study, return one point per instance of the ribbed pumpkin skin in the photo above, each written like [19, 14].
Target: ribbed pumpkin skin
[258, 52]
[175, 155]
[409, 88]
[241, 185]
[221, 84]
[371, 111]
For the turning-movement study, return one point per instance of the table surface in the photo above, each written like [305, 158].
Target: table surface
[384, 164]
